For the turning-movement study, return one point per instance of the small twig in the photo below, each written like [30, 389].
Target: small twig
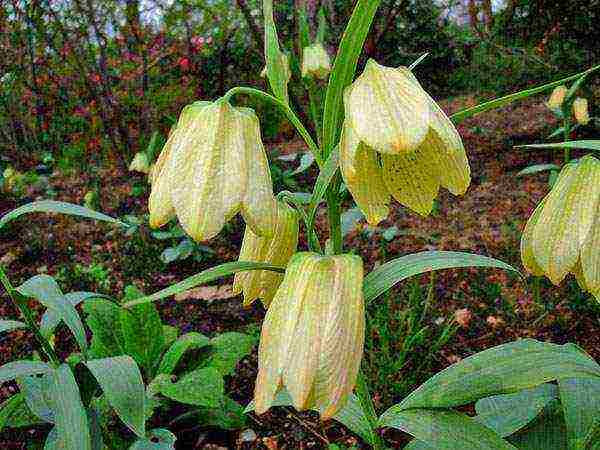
[305, 425]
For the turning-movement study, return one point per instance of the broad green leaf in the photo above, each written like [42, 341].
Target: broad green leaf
[95, 423]
[344, 68]
[580, 399]
[387, 275]
[103, 318]
[508, 413]
[170, 335]
[53, 206]
[143, 335]
[444, 429]
[36, 392]
[228, 349]
[45, 290]
[121, 382]
[586, 145]
[503, 369]
[14, 369]
[9, 325]
[206, 276]
[72, 429]
[201, 387]
[50, 319]
[536, 168]
[184, 343]
[14, 413]
[157, 439]
[507, 99]
[228, 416]
[277, 69]
[547, 432]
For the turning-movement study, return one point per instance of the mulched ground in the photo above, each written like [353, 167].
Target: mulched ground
[495, 307]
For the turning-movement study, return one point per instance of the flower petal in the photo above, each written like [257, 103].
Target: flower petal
[527, 256]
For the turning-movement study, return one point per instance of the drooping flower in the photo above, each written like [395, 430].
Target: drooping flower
[562, 236]
[213, 166]
[557, 97]
[276, 250]
[140, 163]
[315, 61]
[580, 111]
[313, 334]
[398, 142]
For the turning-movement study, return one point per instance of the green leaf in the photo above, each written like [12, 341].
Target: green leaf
[104, 319]
[121, 382]
[53, 206]
[387, 275]
[228, 349]
[158, 439]
[547, 432]
[507, 99]
[206, 276]
[14, 369]
[580, 399]
[10, 325]
[186, 342]
[344, 68]
[444, 430]
[201, 387]
[36, 392]
[50, 319]
[354, 418]
[303, 26]
[585, 144]
[306, 160]
[72, 429]
[45, 290]
[170, 335]
[228, 416]
[508, 413]
[503, 369]
[536, 168]
[143, 335]
[326, 174]
[277, 72]
[14, 413]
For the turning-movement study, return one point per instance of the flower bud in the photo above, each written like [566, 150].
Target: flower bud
[315, 62]
[564, 230]
[387, 110]
[414, 177]
[276, 250]
[313, 334]
[557, 97]
[213, 166]
[140, 163]
[580, 111]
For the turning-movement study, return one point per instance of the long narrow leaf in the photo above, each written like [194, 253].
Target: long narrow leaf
[53, 206]
[9, 325]
[14, 369]
[325, 176]
[208, 275]
[344, 68]
[121, 382]
[50, 319]
[391, 273]
[585, 145]
[537, 168]
[277, 72]
[502, 101]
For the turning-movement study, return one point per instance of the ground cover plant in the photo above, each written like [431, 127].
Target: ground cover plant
[523, 394]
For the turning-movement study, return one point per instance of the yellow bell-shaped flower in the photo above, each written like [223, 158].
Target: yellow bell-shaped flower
[580, 111]
[412, 176]
[213, 166]
[563, 234]
[313, 334]
[276, 250]
[315, 61]
[140, 163]
[557, 97]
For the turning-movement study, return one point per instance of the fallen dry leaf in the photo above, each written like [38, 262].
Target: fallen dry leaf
[463, 317]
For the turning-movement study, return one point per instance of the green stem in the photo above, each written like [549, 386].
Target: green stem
[292, 117]
[312, 238]
[362, 391]
[567, 135]
[23, 308]
[314, 109]
[334, 215]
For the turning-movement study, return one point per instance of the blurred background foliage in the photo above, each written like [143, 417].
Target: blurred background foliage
[89, 82]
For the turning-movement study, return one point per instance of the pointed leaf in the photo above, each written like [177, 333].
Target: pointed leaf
[580, 399]
[143, 335]
[51, 319]
[104, 319]
[53, 206]
[387, 275]
[547, 432]
[184, 343]
[202, 387]
[228, 349]
[277, 71]
[536, 168]
[45, 290]
[14, 413]
[9, 325]
[36, 392]
[587, 144]
[121, 382]
[14, 369]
